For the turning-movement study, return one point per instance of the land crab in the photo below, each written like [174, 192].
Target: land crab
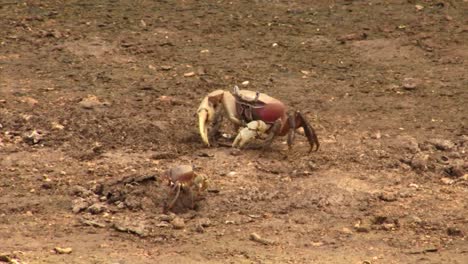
[259, 115]
[183, 178]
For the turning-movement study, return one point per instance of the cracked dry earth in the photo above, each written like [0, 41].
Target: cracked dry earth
[98, 98]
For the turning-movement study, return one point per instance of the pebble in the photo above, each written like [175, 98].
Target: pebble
[453, 231]
[178, 223]
[231, 173]
[204, 222]
[442, 144]
[387, 197]
[420, 161]
[91, 102]
[410, 83]
[79, 205]
[97, 208]
[447, 181]
[60, 250]
[245, 83]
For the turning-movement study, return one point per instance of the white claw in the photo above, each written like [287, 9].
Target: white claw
[254, 129]
[202, 120]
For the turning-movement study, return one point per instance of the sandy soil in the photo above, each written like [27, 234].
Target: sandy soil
[97, 98]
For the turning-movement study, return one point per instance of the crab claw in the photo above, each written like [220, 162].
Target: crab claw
[203, 119]
[206, 113]
[253, 130]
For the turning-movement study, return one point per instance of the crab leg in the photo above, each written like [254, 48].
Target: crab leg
[171, 204]
[308, 130]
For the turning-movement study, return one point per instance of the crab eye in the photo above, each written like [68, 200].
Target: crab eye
[236, 89]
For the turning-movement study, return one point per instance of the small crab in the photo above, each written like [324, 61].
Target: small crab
[260, 115]
[182, 177]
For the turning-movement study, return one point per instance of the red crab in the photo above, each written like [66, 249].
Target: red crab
[262, 116]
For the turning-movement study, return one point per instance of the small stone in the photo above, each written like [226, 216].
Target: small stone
[97, 208]
[91, 102]
[231, 173]
[387, 197]
[178, 223]
[347, 231]
[30, 101]
[442, 144]
[352, 37]
[416, 219]
[245, 83]
[79, 205]
[166, 67]
[274, 45]
[200, 229]
[33, 138]
[189, 74]
[235, 152]
[410, 83]
[60, 250]
[419, 161]
[167, 218]
[204, 222]
[453, 231]
[257, 238]
[419, 7]
[388, 226]
[447, 181]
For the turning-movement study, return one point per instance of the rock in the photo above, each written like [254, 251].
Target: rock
[387, 197]
[419, 7]
[453, 231]
[442, 144]
[362, 227]
[231, 173]
[416, 219]
[407, 143]
[79, 205]
[178, 223]
[204, 222]
[81, 191]
[199, 228]
[420, 161]
[347, 231]
[411, 83]
[167, 218]
[257, 238]
[245, 83]
[447, 181]
[60, 250]
[166, 67]
[97, 208]
[91, 102]
[92, 223]
[351, 37]
[163, 155]
[29, 100]
[235, 152]
[189, 74]
[34, 137]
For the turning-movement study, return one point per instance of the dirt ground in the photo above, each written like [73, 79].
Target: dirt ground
[97, 98]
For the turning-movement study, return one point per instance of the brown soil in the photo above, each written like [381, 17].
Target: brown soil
[94, 95]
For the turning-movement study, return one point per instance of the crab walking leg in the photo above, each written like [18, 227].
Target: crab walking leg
[253, 129]
[171, 204]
